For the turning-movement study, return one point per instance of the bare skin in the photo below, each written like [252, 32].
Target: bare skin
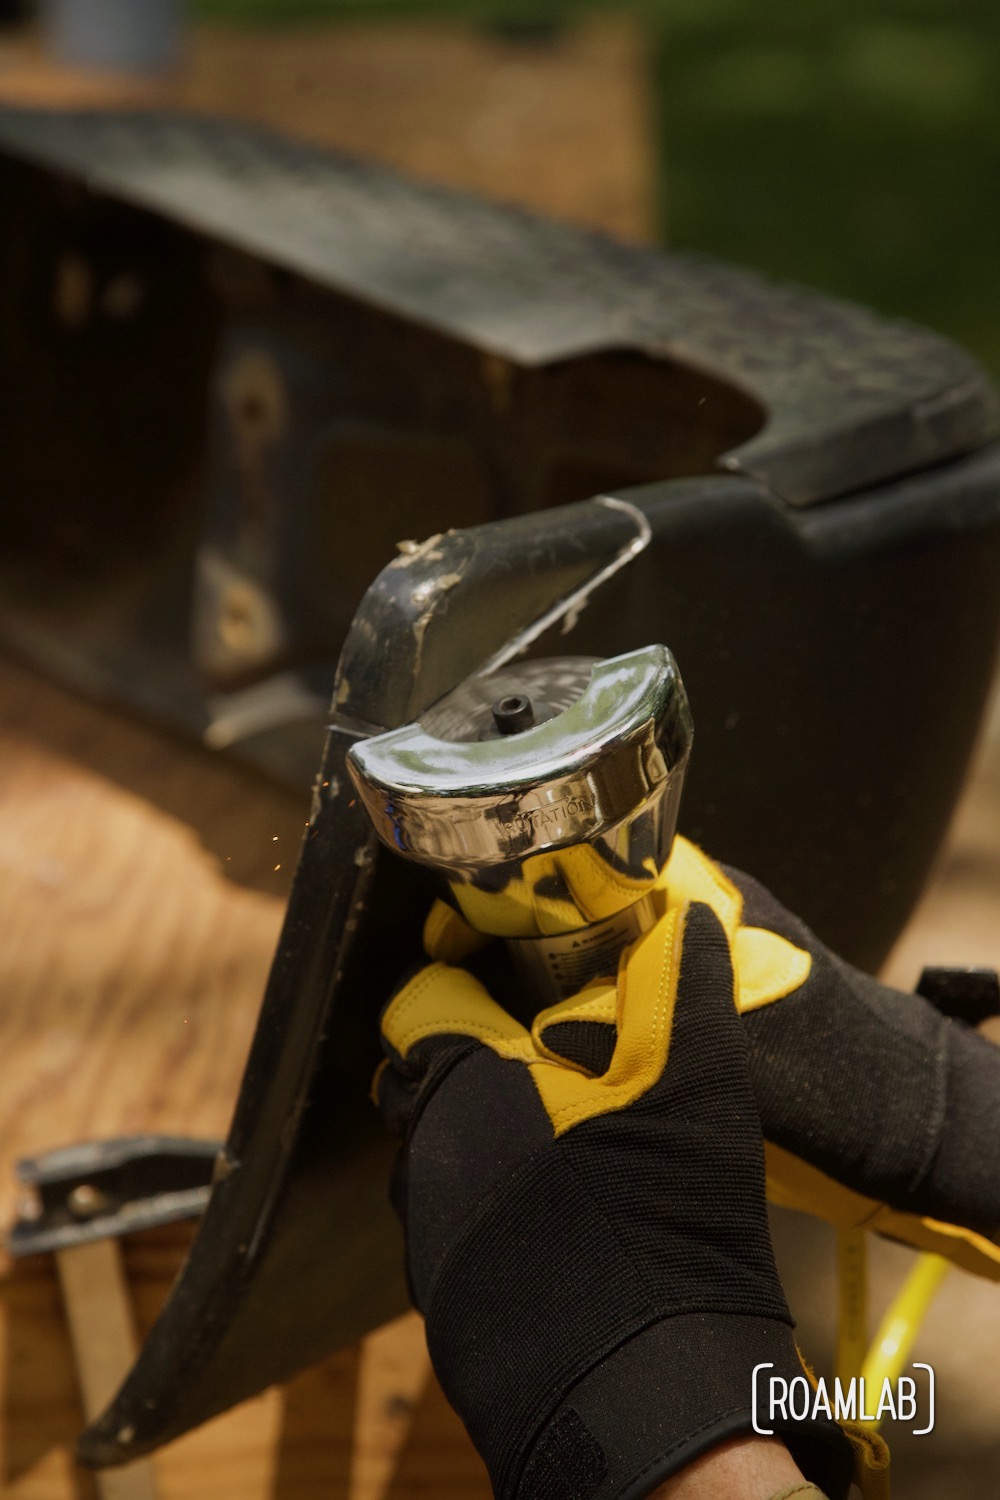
[749, 1468]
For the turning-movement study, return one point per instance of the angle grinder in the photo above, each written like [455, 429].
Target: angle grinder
[545, 799]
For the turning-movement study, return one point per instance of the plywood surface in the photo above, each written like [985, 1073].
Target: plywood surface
[139, 906]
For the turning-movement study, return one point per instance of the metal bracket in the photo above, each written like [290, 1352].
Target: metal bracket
[103, 1189]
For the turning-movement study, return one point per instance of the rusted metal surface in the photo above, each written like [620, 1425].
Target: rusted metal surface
[845, 391]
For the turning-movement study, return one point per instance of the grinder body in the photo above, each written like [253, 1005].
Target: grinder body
[545, 800]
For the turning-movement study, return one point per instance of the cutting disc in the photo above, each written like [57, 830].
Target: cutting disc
[552, 683]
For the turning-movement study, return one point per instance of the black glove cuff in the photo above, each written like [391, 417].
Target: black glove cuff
[674, 1391]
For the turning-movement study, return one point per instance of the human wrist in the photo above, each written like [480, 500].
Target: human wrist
[747, 1468]
[649, 1436]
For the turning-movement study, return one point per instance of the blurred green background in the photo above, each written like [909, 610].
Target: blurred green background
[852, 146]
[855, 147]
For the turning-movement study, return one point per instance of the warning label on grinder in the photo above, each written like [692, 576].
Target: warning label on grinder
[559, 966]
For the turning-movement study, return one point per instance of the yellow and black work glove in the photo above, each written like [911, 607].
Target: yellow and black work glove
[877, 1111]
[591, 1250]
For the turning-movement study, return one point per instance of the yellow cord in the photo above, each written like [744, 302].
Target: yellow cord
[890, 1350]
[889, 1353]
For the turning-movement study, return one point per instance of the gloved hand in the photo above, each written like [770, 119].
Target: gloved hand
[877, 1111]
[591, 1253]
